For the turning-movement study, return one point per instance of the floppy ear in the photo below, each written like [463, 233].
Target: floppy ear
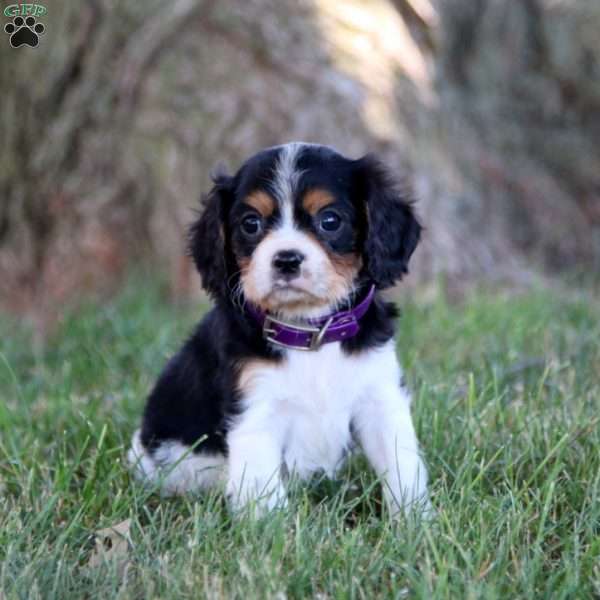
[393, 231]
[207, 244]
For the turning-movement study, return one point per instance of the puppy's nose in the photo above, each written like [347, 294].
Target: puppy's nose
[287, 262]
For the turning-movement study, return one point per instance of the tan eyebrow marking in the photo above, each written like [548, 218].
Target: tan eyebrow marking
[315, 200]
[262, 202]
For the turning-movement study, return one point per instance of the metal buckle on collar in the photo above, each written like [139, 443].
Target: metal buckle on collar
[316, 337]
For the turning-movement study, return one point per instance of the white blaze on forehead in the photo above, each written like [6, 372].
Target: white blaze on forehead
[285, 180]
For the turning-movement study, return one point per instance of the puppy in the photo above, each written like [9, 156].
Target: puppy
[296, 361]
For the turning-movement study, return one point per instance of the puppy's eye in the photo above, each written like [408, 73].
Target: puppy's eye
[252, 225]
[330, 221]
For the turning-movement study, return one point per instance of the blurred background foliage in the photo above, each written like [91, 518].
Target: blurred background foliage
[110, 127]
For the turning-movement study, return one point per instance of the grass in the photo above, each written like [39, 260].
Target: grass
[507, 397]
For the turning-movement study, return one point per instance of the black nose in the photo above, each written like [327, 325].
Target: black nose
[287, 262]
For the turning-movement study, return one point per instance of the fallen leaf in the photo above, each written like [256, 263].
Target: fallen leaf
[111, 543]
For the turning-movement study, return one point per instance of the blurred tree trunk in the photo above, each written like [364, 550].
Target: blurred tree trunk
[518, 109]
[66, 129]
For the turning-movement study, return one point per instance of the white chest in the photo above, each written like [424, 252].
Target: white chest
[308, 401]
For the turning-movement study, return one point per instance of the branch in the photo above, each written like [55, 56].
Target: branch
[144, 47]
[419, 22]
[70, 74]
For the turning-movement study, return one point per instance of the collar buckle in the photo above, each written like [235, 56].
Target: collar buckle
[316, 340]
[316, 333]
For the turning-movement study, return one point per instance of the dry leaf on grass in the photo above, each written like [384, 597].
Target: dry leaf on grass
[111, 543]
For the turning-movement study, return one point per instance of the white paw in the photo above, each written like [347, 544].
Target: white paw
[259, 497]
[419, 507]
[174, 468]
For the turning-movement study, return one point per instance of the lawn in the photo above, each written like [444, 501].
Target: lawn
[506, 404]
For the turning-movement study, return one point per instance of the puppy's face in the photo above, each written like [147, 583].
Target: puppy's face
[299, 228]
[294, 233]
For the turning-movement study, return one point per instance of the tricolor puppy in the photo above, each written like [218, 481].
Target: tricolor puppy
[296, 362]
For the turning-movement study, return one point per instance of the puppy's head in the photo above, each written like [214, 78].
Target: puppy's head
[299, 228]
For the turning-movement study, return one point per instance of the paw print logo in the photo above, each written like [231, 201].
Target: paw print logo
[24, 31]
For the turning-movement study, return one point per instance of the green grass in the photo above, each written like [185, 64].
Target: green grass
[507, 397]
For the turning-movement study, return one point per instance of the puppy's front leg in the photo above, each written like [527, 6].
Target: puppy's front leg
[385, 431]
[255, 457]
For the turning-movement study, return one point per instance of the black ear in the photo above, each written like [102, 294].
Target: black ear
[207, 244]
[393, 231]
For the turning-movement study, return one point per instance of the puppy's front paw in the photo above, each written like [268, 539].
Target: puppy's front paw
[419, 508]
[259, 497]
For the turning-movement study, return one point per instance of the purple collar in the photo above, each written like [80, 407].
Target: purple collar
[334, 328]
